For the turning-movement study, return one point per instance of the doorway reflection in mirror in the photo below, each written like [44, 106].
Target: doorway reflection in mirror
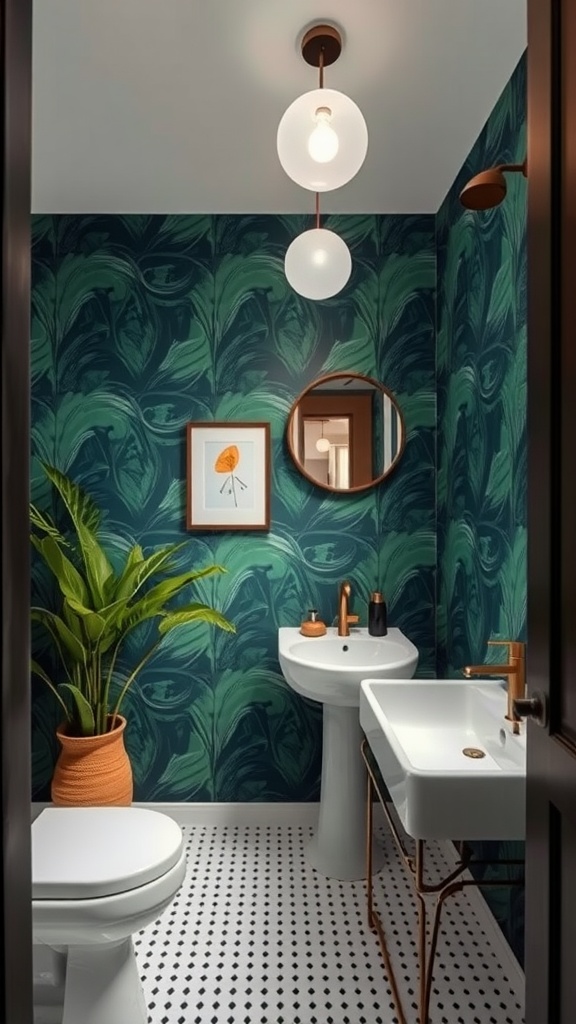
[345, 432]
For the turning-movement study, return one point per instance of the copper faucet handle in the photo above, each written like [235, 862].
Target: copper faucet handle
[351, 619]
[516, 648]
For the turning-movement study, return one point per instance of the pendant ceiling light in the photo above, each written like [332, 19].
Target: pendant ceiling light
[323, 444]
[322, 138]
[318, 262]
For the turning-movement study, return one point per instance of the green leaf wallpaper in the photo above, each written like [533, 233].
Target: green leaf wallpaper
[481, 366]
[143, 323]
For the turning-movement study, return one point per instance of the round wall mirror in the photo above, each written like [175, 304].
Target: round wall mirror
[346, 432]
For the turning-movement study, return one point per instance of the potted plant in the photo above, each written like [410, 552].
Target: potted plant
[98, 607]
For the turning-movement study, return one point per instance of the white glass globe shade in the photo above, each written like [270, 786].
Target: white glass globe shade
[317, 263]
[318, 151]
[323, 444]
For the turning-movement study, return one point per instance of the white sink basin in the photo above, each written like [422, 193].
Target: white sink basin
[330, 668]
[417, 731]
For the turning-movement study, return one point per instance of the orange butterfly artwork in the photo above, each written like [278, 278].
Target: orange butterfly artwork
[227, 462]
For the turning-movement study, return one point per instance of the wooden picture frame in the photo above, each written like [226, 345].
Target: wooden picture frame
[227, 476]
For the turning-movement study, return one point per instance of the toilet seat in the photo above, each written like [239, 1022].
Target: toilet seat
[81, 853]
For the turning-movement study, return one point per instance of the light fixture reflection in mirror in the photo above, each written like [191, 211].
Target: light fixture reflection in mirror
[345, 432]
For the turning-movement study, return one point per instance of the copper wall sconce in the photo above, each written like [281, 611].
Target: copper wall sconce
[488, 188]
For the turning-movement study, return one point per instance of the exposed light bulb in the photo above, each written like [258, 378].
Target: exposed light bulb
[323, 144]
[323, 444]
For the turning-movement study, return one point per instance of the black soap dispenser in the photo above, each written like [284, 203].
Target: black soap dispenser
[377, 625]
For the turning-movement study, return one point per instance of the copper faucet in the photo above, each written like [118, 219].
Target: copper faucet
[344, 619]
[515, 672]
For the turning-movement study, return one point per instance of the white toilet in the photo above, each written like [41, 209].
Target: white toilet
[99, 874]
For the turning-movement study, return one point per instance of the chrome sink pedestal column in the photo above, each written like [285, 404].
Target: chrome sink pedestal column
[338, 849]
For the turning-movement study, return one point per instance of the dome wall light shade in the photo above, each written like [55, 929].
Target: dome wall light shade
[488, 188]
[322, 140]
[317, 264]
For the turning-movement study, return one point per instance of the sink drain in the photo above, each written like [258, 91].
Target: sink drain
[473, 752]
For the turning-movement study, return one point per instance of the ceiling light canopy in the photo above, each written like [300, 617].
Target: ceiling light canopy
[322, 137]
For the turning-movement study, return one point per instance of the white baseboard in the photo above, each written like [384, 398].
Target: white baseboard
[233, 813]
[238, 813]
[227, 813]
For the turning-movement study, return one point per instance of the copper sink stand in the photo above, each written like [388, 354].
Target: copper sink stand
[452, 883]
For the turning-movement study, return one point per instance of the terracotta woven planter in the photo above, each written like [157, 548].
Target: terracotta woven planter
[93, 770]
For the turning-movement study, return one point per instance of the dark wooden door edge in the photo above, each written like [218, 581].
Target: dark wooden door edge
[16, 979]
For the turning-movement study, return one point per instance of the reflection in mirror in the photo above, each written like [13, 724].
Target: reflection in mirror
[345, 432]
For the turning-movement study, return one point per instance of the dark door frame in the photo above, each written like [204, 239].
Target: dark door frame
[551, 783]
[15, 769]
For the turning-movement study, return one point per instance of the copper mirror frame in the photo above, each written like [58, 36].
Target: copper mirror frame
[346, 429]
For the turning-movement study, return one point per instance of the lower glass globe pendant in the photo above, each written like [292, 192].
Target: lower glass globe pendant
[318, 262]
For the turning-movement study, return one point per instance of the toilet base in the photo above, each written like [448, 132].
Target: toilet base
[102, 986]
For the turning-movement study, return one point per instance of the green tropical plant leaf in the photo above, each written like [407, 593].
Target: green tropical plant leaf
[139, 569]
[155, 599]
[39, 671]
[55, 625]
[93, 623]
[99, 572]
[194, 613]
[82, 713]
[69, 579]
[42, 521]
[80, 506]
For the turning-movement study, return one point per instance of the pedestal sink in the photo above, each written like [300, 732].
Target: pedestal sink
[330, 669]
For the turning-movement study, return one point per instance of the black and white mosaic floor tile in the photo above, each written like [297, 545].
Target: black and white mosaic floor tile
[256, 936]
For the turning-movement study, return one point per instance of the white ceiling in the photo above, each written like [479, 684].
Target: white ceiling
[172, 106]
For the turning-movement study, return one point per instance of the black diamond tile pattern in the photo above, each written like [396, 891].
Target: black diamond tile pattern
[256, 936]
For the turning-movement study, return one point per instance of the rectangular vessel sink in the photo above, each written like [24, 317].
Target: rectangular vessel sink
[418, 730]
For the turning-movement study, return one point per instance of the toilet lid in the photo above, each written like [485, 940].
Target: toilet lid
[87, 852]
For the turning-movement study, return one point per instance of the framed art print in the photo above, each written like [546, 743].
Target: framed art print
[228, 476]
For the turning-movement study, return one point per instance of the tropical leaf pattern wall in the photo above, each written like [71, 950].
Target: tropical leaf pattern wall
[482, 401]
[143, 323]
[482, 519]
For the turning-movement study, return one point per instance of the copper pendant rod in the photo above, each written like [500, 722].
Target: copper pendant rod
[317, 209]
[321, 68]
